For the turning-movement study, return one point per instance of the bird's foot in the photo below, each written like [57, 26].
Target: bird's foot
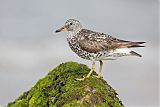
[89, 74]
[98, 76]
[81, 79]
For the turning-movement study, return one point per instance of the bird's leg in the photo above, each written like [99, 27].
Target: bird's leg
[100, 69]
[89, 74]
[92, 69]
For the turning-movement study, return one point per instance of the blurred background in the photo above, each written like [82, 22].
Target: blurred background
[29, 48]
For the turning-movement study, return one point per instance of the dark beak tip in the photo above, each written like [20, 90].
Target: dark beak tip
[57, 31]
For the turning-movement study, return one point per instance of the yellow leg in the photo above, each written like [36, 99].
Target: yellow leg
[92, 69]
[89, 74]
[100, 69]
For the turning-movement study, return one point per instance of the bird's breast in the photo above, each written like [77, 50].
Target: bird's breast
[74, 45]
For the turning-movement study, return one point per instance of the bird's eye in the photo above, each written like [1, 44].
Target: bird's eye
[71, 23]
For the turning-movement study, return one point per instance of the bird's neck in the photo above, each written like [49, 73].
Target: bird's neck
[73, 34]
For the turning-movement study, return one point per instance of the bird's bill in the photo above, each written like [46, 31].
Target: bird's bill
[62, 29]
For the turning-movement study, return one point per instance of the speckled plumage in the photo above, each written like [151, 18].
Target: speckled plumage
[96, 46]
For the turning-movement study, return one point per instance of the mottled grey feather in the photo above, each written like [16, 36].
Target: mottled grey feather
[95, 42]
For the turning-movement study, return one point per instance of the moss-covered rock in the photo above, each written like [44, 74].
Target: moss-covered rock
[61, 89]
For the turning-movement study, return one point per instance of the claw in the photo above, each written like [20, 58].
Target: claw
[81, 79]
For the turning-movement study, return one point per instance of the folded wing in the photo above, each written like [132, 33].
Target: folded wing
[94, 42]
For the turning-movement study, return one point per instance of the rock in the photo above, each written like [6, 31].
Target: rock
[61, 89]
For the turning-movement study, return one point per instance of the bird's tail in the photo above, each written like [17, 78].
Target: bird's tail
[129, 44]
[135, 44]
[135, 54]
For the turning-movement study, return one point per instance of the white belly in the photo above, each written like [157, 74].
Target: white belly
[112, 55]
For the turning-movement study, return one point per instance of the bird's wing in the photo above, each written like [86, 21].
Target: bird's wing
[94, 42]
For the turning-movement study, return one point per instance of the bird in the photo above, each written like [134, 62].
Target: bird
[96, 46]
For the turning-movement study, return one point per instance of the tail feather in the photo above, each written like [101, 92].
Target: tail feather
[136, 44]
[129, 44]
[139, 42]
[135, 54]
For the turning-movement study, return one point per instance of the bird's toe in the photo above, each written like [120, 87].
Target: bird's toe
[81, 79]
[98, 76]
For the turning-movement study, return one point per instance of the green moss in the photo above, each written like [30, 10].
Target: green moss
[61, 89]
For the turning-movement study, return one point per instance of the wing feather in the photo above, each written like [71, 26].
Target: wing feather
[94, 42]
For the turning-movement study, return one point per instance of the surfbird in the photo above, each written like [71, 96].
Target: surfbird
[96, 46]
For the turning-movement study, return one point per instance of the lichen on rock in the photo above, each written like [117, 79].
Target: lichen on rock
[61, 89]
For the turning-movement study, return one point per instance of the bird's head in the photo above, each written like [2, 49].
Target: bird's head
[70, 25]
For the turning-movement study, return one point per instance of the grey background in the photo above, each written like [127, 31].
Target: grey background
[29, 48]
